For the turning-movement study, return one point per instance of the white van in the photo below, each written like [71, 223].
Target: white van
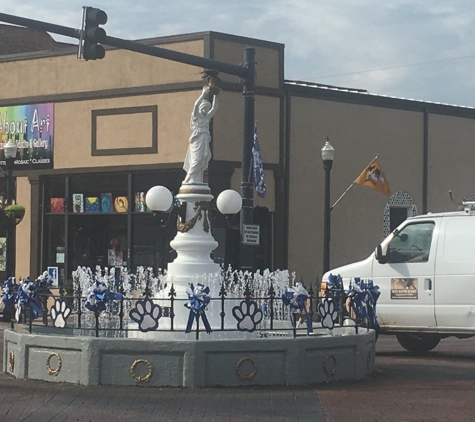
[425, 270]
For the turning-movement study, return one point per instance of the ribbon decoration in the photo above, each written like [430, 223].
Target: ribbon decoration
[363, 298]
[296, 299]
[43, 284]
[198, 300]
[27, 294]
[334, 290]
[9, 289]
[98, 295]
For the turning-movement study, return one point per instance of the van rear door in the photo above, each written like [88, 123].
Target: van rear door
[406, 279]
[455, 274]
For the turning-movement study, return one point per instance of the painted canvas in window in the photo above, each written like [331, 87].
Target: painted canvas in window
[121, 204]
[106, 202]
[56, 204]
[92, 204]
[78, 202]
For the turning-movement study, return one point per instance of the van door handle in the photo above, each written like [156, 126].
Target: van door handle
[427, 284]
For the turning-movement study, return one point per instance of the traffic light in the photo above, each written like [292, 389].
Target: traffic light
[93, 34]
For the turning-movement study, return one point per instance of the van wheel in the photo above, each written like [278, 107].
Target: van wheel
[417, 343]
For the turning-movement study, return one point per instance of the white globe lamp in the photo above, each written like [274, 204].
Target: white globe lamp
[229, 202]
[159, 198]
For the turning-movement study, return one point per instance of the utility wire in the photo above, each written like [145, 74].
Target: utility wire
[394, 67]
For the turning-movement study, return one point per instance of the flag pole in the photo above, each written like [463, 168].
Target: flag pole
[349, 187]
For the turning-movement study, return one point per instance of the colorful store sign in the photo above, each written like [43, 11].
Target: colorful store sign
[31, 127]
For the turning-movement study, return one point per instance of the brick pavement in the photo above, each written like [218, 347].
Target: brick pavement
[406, 388]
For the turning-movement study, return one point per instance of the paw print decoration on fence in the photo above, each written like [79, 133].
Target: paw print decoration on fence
[146, 314]
[328, 313]
[60, 312]
[247, 313]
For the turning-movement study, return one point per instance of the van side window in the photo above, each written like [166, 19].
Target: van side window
[411, 244]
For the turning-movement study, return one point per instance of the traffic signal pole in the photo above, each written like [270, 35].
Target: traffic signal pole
[176, 56]
[246, 73]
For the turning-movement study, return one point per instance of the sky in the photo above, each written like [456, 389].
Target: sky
[414, 49]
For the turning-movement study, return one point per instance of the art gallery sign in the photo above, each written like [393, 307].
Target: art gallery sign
[32, 128]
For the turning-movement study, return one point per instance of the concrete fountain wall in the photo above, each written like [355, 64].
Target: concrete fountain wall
[190, 363]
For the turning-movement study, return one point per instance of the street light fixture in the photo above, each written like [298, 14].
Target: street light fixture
[328, 154]
[10, 151]
[160, 200]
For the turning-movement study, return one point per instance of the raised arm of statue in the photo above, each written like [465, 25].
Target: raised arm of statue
[199, 152]
[200, 99]
[214, 107]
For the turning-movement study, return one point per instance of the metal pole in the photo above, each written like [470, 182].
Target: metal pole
[247, 185]
[149, 50]
[327, 165]
[9, 266]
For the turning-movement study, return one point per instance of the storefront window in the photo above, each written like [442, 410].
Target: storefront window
[102, 219]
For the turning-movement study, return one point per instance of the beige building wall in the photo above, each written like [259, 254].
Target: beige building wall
[358, 133]
[73, 131]
[120, 69]
[23, 230]
[269, 61]
[451, 164]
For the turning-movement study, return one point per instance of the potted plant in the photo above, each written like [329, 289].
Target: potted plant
[15, 212]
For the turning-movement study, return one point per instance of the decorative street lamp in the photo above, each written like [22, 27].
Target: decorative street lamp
[160, 200]
[327, 157]
[229, 202]
[10, 151]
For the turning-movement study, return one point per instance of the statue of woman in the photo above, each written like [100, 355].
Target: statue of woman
[199, 151]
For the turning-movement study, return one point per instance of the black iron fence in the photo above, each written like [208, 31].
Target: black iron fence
[101, 312]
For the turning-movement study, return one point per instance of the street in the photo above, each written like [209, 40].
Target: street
[437, 387]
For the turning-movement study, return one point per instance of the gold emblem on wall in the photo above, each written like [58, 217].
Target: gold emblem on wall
[330, 365]
[251, 375]
[138, 378]
[52, 371]
[11, 361]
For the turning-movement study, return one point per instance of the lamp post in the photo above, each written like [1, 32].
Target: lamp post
[327, 157]
[10, 150]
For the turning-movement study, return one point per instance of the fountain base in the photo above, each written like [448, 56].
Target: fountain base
[275, 360]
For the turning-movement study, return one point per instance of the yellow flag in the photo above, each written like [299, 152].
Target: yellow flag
[373, 177]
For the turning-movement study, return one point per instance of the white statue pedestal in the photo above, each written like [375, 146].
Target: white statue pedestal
[193, 244]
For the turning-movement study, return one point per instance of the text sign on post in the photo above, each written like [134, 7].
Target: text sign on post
[251, 234]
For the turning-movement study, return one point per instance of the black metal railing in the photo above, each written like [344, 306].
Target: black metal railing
[266, 316]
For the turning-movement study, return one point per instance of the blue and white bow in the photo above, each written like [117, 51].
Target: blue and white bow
[363, 298]
[296, 299]
[98, 295]
[43, 284]
[198, 300]
[8, 291]
[27, 295]
[335, 290]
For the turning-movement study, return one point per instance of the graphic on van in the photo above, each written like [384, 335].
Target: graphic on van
[404, 288]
